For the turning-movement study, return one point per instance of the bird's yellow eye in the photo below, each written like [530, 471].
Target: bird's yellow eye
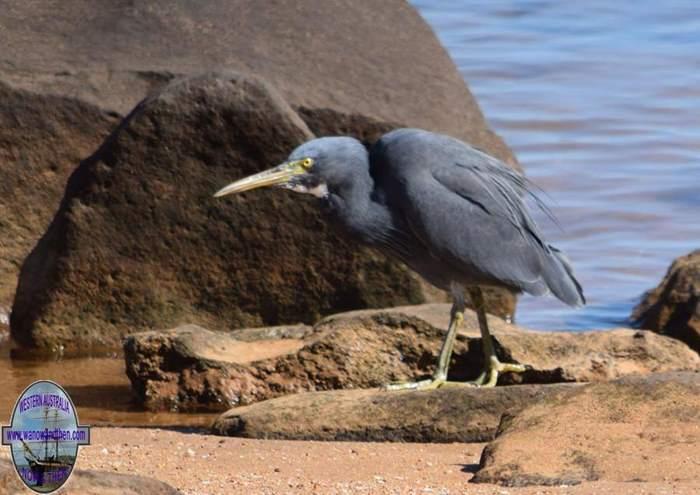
[307, 163]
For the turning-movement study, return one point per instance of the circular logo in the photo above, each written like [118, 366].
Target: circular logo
[44, 436]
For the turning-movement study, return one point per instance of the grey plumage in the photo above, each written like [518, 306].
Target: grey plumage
[449, 211]
[452, 213]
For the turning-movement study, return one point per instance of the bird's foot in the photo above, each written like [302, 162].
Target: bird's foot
[489, 377]
[428, 384]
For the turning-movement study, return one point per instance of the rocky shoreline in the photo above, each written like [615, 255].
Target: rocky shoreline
[590, 399]
[115, 133]
[191, 368]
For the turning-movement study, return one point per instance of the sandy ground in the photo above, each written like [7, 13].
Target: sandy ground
[206, 464]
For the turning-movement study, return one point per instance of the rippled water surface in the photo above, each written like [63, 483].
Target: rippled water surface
[601, 103]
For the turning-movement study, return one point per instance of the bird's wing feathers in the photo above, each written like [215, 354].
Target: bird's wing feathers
[495, 232]
[468, 210]
[517, 252]
[496, 189]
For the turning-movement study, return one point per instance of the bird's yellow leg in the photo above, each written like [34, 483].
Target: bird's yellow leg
[496, 367]
[492, 366]
[480, 380]
[439, 378]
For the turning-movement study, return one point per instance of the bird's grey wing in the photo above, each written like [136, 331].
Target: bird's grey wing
[468, 210]
[489, 227]
[497, 189]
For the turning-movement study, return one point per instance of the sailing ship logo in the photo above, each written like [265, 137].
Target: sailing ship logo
[44, 436]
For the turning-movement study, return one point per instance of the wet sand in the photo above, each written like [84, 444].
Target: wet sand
[206, 464]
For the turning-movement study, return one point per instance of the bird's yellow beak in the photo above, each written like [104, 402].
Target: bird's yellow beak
[279, 175]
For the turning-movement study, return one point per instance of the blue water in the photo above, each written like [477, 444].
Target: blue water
[601, 103]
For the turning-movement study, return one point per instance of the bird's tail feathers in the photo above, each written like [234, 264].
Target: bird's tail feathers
[559, 275]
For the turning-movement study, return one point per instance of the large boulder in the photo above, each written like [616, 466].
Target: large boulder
[93, 55]
[42, 138]
[637, 428]
[339, 62]
[139, 242]
[673, 307]
[191, 368]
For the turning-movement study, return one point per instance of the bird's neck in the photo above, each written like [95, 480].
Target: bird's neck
[353, 205]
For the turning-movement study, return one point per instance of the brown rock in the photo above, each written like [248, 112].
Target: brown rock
[555, 356]
[673, 308]
[461, 414]
[83, 482]
[112, 54]
[594, 355]
[182, 369]
[139, 242]
[42, 138]
[91, 55]
[192, 368]
[641, 428]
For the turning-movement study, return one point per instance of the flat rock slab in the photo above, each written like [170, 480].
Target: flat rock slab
[460, 414]
[555, 356]
[90, 482]
[191, 368]
[642, 428]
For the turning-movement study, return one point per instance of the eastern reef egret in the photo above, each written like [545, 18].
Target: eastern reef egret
[450, 212]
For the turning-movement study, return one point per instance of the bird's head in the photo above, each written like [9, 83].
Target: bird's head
[317, 167]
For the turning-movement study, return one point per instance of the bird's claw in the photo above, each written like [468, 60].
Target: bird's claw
[489, 377]
[486, 379]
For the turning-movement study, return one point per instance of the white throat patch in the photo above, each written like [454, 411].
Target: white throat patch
[320, 191]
